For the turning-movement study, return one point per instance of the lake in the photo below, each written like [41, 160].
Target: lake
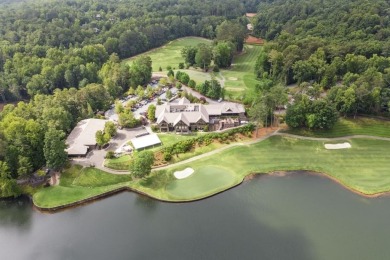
[298, 216]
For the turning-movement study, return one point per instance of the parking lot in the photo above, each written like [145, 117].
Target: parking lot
[96, 157]
[141, 107]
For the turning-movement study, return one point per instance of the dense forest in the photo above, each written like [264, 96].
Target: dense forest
[336, 52]
[45, 45]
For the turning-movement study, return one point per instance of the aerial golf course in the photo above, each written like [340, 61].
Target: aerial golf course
[237, 80]
[363, 168]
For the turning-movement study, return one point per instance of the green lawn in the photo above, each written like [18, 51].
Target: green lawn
[349, 126]
[240, 78]
[79, 183]
[365, 168]
[208, 179]
[120, 163]
[170, 54]
[168, 139]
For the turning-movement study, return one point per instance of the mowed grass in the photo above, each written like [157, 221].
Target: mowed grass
[241, 78]
[365, 167]
[167, 139]
[349, 126]
[207, 180]
[170, 54]
[121, 163]
[79, 183]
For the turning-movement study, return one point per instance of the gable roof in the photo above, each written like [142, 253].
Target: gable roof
[182, 118]
[172, 113]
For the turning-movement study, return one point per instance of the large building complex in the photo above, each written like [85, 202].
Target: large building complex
[183, 116]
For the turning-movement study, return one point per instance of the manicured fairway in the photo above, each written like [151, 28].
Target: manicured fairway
[365, 167]
[349, 126]
[241, 77]
[170, 54]
[237, 80]
[204, 181]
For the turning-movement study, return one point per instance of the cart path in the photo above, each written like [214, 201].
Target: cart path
[102, 167]
[266, 137]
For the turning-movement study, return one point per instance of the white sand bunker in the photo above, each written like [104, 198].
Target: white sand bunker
[184, 173]
[232, 78]
[337, 146]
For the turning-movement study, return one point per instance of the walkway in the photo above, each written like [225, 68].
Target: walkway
[102, 167]
[216, 151]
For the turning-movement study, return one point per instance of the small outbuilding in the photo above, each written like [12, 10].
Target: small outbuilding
[146, 141]
[82, 138]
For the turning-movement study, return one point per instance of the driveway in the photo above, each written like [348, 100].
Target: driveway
[96, 157]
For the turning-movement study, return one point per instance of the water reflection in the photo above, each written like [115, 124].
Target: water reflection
[16, 213]
[146, 203]
[298, 216]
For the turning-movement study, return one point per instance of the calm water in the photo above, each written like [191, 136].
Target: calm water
[299, 216]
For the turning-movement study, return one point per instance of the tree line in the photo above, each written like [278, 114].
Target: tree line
[336, 52]
[60, 44]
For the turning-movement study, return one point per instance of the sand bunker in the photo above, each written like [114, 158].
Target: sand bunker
[184, 173]
[337, 146]
[232, 78]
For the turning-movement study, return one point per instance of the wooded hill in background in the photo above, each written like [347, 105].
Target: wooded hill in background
[343, 46]
[50, 44]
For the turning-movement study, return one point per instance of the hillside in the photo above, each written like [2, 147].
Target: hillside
[337, 49]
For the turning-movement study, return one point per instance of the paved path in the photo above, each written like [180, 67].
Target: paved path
[247, 144]
[216, 151]
[265, 137]
[96, 157]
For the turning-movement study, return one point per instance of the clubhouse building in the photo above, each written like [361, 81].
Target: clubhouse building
[183, 116]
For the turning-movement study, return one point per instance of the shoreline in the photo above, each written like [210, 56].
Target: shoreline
[247, 178]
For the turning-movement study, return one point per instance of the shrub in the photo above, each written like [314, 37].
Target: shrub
[110, 155]
[169, 67]
[181, 65]
[170, 73]
[155, 128]
[160, 69]
[167, 156]
[192, 83]
[216, 68]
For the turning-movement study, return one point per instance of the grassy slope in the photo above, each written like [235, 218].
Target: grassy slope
[168, 139]
[345, 127]
[122, 163]
[243, 70]
[238, 79]
[77, 184]
[170, 54]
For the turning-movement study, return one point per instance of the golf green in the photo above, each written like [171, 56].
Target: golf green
[205, 181]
